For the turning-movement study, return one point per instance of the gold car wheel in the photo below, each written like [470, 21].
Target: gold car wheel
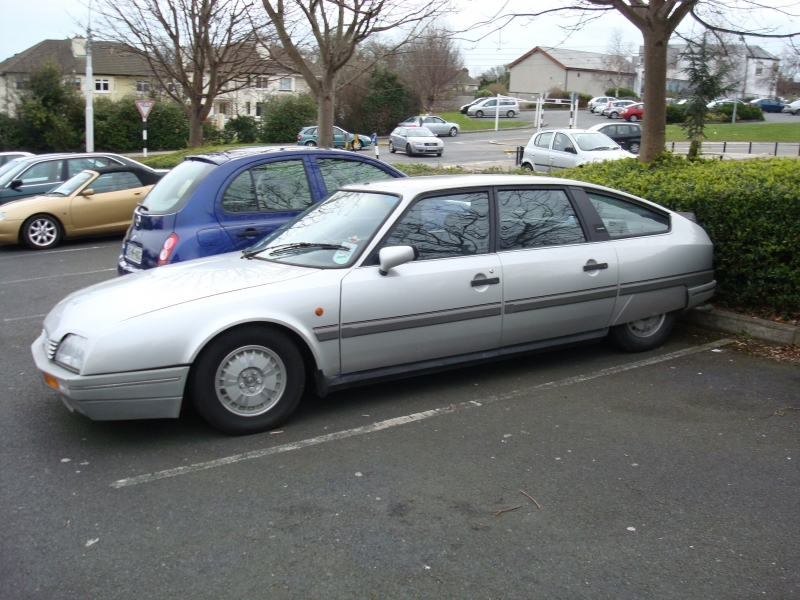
[41, 232]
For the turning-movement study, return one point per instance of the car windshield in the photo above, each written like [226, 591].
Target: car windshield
[70, 185]
[420, 132]
[330, 234]
[175, 188]
[594, 141]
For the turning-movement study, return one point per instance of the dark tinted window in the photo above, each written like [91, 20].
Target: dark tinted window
[532, 218]
[623, 218]
[282, 186]
[115, 182]
[337, 172]
[609, 130]
[455, 225]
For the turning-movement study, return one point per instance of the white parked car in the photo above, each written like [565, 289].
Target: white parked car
[599, 101]
[415, 140]
[567, 148]
[793, 108]
[383, 279]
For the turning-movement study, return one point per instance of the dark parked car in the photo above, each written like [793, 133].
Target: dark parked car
[40, 174]
[225, 201]
[465, 108]
[627, 135]
[9, 156]
[768, 104]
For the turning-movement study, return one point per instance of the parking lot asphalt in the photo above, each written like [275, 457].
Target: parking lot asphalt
[668, 474]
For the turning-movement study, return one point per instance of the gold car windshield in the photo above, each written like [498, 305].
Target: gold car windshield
[70, 185]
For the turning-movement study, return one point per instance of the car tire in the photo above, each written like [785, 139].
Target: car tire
[633, 147]
[359, 145]
[438, 154]
[41, 232]
[453, 132]
[311, 143]
[257, 355]
[510, 114]
[409, 152]
[391, 147]
[643, 334]
[527, 167]
[613, 115]
[479, 113]
[633, 118]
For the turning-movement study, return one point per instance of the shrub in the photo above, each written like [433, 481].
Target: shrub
[118, 126]
[483, 93]
[10, 133]
[750, 209]
[284, 116]
[623, 93]
[744, 112]
[675, 113]
[243, 128]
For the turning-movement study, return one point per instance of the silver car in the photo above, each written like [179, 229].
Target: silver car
[382, 280]
[566, 148]
[437, 125]
[415, 140]
[509, 107]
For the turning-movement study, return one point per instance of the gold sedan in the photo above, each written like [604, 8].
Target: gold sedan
[93, 202]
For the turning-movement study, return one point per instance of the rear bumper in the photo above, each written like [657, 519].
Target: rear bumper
[700, 294]
[153, 394]
[124, 267]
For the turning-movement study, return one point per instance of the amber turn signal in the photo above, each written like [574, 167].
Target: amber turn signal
[51, 381]
[319, 312]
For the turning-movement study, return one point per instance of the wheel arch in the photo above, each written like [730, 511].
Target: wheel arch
[64, 232]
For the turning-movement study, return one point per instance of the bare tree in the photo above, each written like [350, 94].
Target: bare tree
[657, 20]
[430, 64]
[195, 48]
[616, 61]
[333, 29]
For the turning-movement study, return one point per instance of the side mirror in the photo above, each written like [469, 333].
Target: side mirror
[394, 256]
[16, 184]
[89, 192]
[570, 149]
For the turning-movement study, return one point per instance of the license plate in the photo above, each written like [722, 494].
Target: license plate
[133, 253]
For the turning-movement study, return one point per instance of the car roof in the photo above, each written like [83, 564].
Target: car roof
[146, 176]
[223, 156]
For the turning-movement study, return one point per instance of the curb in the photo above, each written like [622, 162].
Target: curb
[728, 322]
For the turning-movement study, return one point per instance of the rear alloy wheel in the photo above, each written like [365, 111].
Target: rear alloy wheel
[634, 147]
[311, 143]
[527, 167]
[510, 114]
[391, 147]
[642, 335]
[633, 118]
[613, 115]
[479, 113]
[453, 132]
[248, 380]
[41, 232]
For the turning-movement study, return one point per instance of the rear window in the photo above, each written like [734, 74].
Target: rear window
[175, 188]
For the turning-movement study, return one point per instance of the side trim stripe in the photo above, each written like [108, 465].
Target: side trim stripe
[327, 332]
[689, 280]
[356, 329]
[515, 306]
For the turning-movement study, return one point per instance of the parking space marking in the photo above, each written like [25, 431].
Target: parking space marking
[413, 418]
[23, 318]
[27, 254]
[54, 276]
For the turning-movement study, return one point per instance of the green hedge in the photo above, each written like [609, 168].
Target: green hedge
[744, 112]
[118, 126]
[750, 209]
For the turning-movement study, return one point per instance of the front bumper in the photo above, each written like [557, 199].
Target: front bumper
[153, 394]
[427, 149]
[9, 231]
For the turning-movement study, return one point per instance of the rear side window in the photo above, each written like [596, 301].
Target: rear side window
[533, 218]
[543, 141]
[445, 226]
[271, 187]
[337, 172]
[624, 219]
[115, 182]
[76, 165]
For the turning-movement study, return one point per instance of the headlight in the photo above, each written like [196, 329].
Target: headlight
[71, 351]
[2, 216]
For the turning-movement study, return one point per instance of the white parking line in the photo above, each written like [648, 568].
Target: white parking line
[22, 318]
[413, 418]
[54, 276]
[27, 254]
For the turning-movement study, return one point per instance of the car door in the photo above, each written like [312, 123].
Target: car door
[261, 198]
[434, 307]
[560, 275]
[539, 151]
[110, 207]
[37, 179]
[560, 156]
[340, 136]
[398, 138]
[489, 108]
[436, 125]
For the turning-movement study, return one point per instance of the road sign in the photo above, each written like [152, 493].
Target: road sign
[144, 106]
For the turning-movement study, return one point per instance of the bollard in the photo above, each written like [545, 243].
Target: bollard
[724, 147]
[776, 148]
[750, 148]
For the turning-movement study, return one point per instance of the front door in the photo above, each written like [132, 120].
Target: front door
[436, 306]
[110, 207]
[555, 283]
[560, 156]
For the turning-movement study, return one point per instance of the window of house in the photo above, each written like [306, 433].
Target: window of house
[759, 68]
[260, 109]
[247, 108]
[142, 87]
[623, 219]
[262, 83]
[102, 86]
[532, 218]
[23, 83]
[223, 108]
[74, 82]
[285, 84]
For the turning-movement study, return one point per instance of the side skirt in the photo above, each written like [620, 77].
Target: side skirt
[325, 385]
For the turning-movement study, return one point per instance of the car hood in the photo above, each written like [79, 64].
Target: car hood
[102, 305]
[415, 138]
[601, 155]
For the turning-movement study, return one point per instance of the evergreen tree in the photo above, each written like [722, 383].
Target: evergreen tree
[387, 103]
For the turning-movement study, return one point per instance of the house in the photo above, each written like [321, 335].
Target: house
[755, 72]
[571, 70]
[464, 83]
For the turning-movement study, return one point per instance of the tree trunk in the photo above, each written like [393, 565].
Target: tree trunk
[654, 121]
[195, 130]
[695, 148]
[326, 102]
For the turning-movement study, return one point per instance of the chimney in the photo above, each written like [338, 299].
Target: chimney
[78, 47]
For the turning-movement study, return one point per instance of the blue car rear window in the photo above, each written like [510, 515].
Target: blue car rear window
[176, 187]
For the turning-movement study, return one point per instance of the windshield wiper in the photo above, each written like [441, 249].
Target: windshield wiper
[287, 248]
[603, 148]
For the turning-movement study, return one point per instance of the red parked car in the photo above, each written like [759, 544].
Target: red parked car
[633, 113]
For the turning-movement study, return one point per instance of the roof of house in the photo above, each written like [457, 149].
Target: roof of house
[464, 78]
[757, 52]
[108, 58]
[572, 59]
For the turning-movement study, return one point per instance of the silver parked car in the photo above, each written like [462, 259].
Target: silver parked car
[599, 101]
[383, 279]
[415, 140]
[509, 107]
[437, 125]
[567, 148]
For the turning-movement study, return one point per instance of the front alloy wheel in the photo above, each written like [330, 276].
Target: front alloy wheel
[391, 147]
[453, 132]
[41, 232]
[409, 152]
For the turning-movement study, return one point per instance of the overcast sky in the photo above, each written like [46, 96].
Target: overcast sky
[37, 20]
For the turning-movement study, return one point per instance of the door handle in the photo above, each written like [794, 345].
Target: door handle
[248, 233]
[595, 267]
[480, 282]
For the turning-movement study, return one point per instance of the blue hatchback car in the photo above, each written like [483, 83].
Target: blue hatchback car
[225, 201]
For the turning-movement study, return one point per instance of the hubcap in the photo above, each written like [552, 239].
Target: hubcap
[250, 381]
[42, 232]
[646, 327]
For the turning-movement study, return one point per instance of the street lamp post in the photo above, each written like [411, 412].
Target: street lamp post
[89, 84]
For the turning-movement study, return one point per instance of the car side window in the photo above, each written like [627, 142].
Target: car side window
[76, 165]
[337, 172]
[562, 142]
[533, 218]
[491, 103]
[623, 219]
[543, 140]
[282, 185]
[312, 131]
[115, 182]
[44, 172]
[445, 226]
[610, 130]
[240, 197]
